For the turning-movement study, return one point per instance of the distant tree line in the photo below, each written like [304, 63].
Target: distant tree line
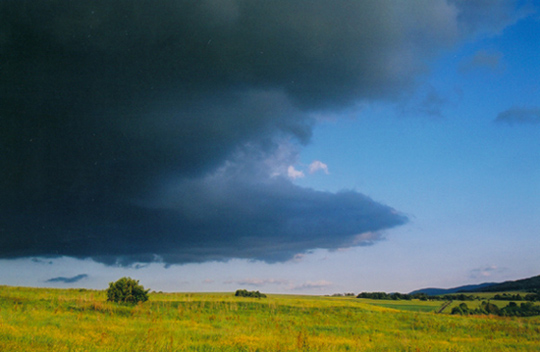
[531, 297]
[246, 293]
[348, 294]
[457, 297]
[421, 296]
[386, 296]
[511, 310]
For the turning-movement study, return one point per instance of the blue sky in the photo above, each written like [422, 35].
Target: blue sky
[341, 148]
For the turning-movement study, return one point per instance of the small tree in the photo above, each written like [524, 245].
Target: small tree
[462, 309]
[246, 293]
[127, 290]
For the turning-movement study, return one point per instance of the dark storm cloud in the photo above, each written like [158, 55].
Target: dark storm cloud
[519, 115]
[105, 105]
[234, 212]
[271, 220]
[68, 280]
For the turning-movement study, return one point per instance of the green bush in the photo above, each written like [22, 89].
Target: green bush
[127, 290]
[246, 293]
[462, 309]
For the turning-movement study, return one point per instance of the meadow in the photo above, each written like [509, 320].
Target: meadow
[34, 319]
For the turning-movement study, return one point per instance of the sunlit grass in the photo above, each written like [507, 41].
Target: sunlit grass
[414, 305]
[74, 320]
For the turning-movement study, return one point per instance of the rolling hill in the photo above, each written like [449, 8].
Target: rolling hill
[532, 283]
[432, 291]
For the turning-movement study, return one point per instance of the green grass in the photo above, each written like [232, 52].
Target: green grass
[414, 305]
[73, 320]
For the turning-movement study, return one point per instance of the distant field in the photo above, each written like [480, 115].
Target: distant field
[414, 305]
[81, 320]
[476, 303]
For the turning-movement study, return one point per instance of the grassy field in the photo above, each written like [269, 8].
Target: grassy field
[412, 305]
[81, 320]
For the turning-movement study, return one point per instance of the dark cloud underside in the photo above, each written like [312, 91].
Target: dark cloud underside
[118, 116]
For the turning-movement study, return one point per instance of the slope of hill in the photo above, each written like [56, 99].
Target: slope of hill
[431, 291]
[532, 283]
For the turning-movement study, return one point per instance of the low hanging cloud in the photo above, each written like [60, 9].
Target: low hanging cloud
[68, 280]
[136, 132]
[520, 115]
[231, 213]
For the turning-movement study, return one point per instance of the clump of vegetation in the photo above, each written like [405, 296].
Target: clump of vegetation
[484, 309]
[127, 290]
[421, 296]
[387, 296]
[348, 294]
[246, 293]
[517, 297]
[523, 310]
[512, 309]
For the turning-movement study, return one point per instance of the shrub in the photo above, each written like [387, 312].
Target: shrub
[489, 308]
[246, 293]
[462, 309]
[127, 290]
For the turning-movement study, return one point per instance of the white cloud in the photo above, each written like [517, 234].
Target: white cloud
[259, 282]
[293, 173]
[285, 284]
[318, 166]
[368, 238]
[314, 167]
[320, 284]
[486, 272]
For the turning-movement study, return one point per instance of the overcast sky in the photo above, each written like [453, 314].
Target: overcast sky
[285, 146]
